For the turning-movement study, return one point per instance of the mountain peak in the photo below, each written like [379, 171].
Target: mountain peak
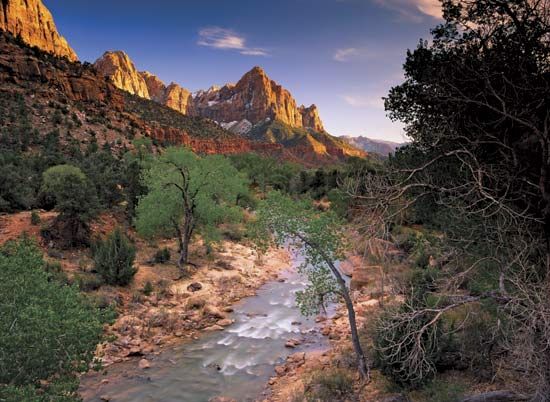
[33, 22]
[120, 69]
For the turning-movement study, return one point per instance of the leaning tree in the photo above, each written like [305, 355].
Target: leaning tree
[321, 236]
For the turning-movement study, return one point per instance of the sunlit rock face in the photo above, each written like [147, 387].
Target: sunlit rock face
[33, 22]
[122, 72]
[255, 98]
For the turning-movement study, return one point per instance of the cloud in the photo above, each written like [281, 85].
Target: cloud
[413, 10]
[347, 54]
[358, 101]
[227, 39]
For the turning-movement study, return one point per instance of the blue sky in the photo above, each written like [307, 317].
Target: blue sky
[342, 55]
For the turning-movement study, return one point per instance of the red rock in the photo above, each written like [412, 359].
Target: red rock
[362, 276]
[33, 22]
[144, 364]
[120, 69]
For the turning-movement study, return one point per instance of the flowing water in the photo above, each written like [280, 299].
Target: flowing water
[236, 362]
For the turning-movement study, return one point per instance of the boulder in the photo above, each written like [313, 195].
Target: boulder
[194, 287]
[362, 276]
[213, 311]
[348, 266]
[144, 364]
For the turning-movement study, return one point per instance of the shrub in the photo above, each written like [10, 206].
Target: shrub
[162, 256]
[35, 314]
[148, 288]
[87, 282]
[114, 259]
[35, 218]
[443, 391]
[55, 272]
[330, 386]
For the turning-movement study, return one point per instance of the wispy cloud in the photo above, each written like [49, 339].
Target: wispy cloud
[360, 101]
[347, 54]
[413, 10]
[227, 39]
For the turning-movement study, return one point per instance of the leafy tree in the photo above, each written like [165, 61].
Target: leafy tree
[265, 171]
[186, 193]
[75, 199]
[47, 330]
[114, 259]
[321, 237]
[475, 104]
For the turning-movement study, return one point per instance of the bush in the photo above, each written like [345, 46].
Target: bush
[162, 256]
[443, 391]
[35, 218]
[55, 273]
[114, 259]
[88, 282]
[330, 386]
[45, 330]
[148, 288]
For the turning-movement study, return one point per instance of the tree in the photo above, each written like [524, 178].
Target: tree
[321, 237]
[114, 259]
[47, 330]
[76, 201]
[187, 192]
[476, 106]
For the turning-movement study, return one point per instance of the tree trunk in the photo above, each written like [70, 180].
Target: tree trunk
[185, 237]
[360, 355]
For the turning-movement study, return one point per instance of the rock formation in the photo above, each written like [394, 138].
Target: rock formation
[173, 95]
[32, 21]
[380, 147]
[255, 98]
[122, 72]
[310, 118]
[74, 81]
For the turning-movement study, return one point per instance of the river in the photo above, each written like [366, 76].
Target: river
[235, 363]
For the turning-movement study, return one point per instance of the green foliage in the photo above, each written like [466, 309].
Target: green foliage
[187, 192]
[148, 288]
[88, 282]
[265, 172]
[75, 199]
[35, 218]
[114, 259]
[162, 256]
[34, 310]
[439, 390]
[320, 235]
[330, 386]
[56, 273]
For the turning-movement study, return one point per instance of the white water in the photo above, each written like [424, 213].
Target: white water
[236, 363]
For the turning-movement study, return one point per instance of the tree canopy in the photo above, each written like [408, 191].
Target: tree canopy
[188, 192]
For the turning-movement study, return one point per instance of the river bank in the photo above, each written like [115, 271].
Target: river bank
[236, 362]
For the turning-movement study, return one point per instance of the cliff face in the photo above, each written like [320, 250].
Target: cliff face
[74, 81]
[255, 98]
[311, 119]
[122, 72]
[33, 22]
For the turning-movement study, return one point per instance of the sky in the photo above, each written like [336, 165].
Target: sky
[342, 55]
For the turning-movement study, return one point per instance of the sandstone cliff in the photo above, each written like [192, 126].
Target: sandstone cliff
[122, 72]
[255, 98]
[173, 95]
[32, 21]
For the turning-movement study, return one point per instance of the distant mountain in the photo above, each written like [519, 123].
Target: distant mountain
[33, 23]
[256, 108]
[380, 147]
